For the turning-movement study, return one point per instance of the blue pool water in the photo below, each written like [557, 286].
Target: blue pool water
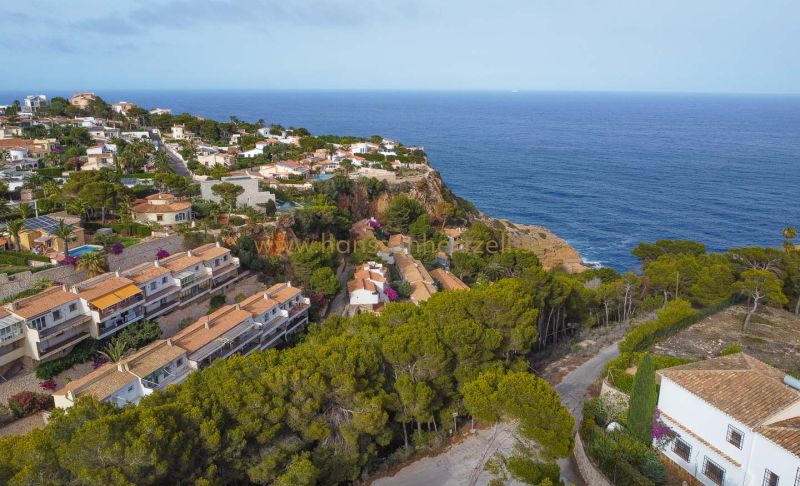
[602, 170]
[323, 177]
[83, 250]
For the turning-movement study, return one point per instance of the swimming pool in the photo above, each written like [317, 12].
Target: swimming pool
[78, 251]
[323, 177]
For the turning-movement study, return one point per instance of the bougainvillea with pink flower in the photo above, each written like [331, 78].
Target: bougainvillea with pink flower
[390, 293]
[162, 253]
[69, 260]
[661, 432]
[374, 223]
[117, 248]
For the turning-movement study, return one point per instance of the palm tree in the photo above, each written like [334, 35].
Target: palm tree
[93, 262]
[25, 210]
[790, 233]
[14, 227]
[114, 350]
[64, 231]
[79, 208]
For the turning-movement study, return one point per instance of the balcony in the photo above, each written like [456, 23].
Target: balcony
[162, 293]
[121, 306]
[51, 349]
[64, 326]
[113, 325]
[157, 311]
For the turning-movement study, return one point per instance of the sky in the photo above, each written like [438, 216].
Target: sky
[749, 46]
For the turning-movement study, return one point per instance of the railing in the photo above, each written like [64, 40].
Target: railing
[121, 321]
[110, 311]
[44, 352]
[68, 324]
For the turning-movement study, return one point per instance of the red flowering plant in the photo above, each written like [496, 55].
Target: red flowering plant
[27, 403]
[49, 385]
[661, 433]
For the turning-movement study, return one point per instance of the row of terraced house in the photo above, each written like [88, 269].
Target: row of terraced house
[49, 324]
[258, 322]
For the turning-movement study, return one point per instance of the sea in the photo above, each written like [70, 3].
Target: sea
[604, 171]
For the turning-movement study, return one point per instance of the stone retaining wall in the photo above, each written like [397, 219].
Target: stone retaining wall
[615, 393]
[130, 257]
[590, 474]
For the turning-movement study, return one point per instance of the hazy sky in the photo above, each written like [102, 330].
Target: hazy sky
[629, 45]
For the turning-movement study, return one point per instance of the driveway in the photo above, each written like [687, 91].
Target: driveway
[572, 390]
[178, 164]
[463, 463]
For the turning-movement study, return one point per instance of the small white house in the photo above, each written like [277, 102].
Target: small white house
[737, 421]
[252, 195]
[368, 284]
[17, 153]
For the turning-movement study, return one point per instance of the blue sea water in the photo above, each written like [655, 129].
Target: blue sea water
[604, 171]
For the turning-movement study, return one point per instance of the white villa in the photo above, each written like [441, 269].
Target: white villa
[367, 285]
[252, 195]
[737, 421]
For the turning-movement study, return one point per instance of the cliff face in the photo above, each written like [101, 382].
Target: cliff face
[552, 251]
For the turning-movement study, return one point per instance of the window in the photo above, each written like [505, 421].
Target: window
[225, 258]
[179, 362]
[713, 471]
[159, 217]
[39, 323]
[770, 478]
[73, 307]
[56, 315]
[130, 388]
[163, 280]
[681, 449]
[735, 436]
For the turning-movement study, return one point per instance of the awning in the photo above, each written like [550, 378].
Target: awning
[127, 291]
[43, 239]
[106, 301]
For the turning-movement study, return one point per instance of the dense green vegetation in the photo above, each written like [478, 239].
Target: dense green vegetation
[332, 409]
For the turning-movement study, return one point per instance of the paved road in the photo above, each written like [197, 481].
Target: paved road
[178, 164]
[572, 391]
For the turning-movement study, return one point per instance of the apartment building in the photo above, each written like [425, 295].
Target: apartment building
[114, 303]
[152, 368]
[49, 324]
[258, 322]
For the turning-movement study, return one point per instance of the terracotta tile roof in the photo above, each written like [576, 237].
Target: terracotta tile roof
[179, 261]
[173, 207]
[258, 303]
[738, 385]
[91, 291]
[100, 383]
[152, 357]
[399, 240]
[209, 251]
[164, 196]
[361, 284]
[283, 292]
[208, 328]
[448, 280]
[145, 272]
[785, 433]
[42, 302]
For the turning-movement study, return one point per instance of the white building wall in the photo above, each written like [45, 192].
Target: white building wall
[364, 297]
[767, 455]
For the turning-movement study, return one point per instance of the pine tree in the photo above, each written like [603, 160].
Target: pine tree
[643, 400]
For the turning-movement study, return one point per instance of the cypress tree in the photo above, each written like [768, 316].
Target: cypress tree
[643, 400]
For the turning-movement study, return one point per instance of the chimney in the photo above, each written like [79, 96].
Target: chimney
[238, 307]
[64, 287]
[169, 342]
[189, 253]
[157, 264]
[289, 284]
[13, 306]
[208, 323]
[120, 366]
[116, 272]
[218, 245]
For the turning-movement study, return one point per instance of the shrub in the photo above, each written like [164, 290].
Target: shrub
[6, 415]
[215, 303]
[27, 403]
[49, 385]
[26, 255]
[643, 400]
[732, 348]
[531, 472]
[675, 315]
[81, 353]
[140, 334]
